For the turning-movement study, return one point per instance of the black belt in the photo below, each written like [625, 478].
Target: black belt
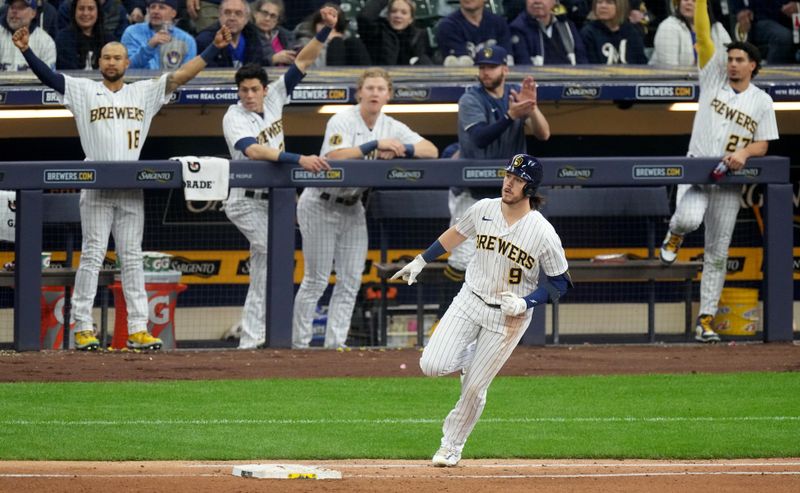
[256, 194]
[352, 200]
[490, 305]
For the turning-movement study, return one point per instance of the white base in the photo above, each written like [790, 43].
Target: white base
[284, 471]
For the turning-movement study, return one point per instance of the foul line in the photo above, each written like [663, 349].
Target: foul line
[384, 421]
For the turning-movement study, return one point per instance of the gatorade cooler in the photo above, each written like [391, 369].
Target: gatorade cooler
[52, 329]
[737, 314]
[162, 295]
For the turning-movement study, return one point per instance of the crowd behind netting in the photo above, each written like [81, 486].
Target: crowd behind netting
[164, 34]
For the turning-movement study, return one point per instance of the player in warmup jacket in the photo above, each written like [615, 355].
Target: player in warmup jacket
[332, 220]
[253, 129]
[494, 307]
[113, 119]
[734, 121]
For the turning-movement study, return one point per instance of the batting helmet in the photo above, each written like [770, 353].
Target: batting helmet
[529, 169]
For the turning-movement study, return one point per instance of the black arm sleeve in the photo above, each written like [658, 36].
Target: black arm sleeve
[45, 74]
[484, 134]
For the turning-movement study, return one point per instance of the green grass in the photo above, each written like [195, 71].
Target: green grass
[649, 416]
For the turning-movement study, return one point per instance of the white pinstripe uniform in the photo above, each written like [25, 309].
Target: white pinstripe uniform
[335, 233]
[112, 127]
[249, 214]
[725, 121]
[506, 259]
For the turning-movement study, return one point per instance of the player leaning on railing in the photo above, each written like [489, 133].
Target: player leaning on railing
[734, 120]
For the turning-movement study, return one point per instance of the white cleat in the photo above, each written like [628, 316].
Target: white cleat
[669, 249]
[446, 457]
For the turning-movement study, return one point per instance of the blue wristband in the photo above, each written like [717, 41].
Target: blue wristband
[433, 252]
[209, 53]
[322, 35]
[289, 157]
[409, 150]
[368, 147]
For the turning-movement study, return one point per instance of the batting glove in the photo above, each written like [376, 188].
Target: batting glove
[411, 270]
[511, 304]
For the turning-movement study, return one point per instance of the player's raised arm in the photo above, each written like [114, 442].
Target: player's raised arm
[311, 51]
[448, 240]
[190, 69]
[702, 28]
[51, 79]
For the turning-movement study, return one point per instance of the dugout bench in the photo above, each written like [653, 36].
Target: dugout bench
[651, 203]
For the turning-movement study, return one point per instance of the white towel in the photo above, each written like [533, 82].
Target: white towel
[205, 178]
[8, 214]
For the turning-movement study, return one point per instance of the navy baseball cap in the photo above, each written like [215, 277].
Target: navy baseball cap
[491, 55]
[526, 167]
[171, 3]
[30, 3]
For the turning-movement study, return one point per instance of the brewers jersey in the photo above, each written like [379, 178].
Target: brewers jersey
[347, 129]
[727, 120]
[113, 125]
[509, 258]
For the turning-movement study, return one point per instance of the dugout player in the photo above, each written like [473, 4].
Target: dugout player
[487, 318]
[735, 120]
[332, 220]
[113, 119]
[492, 119]
[253, 129]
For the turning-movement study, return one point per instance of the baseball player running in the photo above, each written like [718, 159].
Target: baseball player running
[332, 220]
[492, 118]
[735, 119]
[113, 119]
[253, 129]
[487, 318]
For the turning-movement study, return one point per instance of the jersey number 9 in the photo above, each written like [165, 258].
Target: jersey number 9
[515, 275]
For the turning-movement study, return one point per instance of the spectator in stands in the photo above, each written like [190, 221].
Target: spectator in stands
[468, 30]
[47, 17]
[78, 46]
[675, 37]
[541, 38]
[18, 14]
[577, 11]
[276, 40]
[245, 46]
[136, 10]
[114, 15]
[768, 23]
[393, 40]
[203, 13]
[158, 44]
[609, 37]
[342, 49]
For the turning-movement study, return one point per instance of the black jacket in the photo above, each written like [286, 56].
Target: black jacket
[387, 46]
[606, 46]
[253, 51]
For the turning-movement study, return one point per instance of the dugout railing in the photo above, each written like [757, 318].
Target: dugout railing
[31, 178]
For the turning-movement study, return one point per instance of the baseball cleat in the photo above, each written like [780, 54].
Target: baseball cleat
[143, 340]
[669, 249]
[703, 331]
[86, 341]
[446, 457]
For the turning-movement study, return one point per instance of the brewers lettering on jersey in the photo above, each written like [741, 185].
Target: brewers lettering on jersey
[113, 119]
[253, 129]
[735, 120]
[484, 323]
[332, 220]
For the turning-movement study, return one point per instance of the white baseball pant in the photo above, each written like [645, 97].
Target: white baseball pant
[334, 236]
[249, 215]
[121, 213]
[496, 335]
[717, 206]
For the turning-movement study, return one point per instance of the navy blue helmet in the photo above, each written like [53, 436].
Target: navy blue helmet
[529, 169]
